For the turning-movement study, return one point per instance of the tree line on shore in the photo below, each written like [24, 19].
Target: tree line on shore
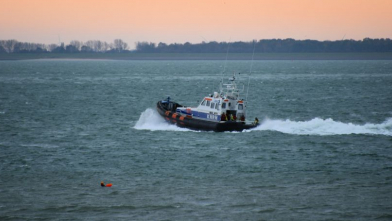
[272, 46]
[262, 46]
[92, 46]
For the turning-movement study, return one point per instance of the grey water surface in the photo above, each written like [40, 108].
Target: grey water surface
[322, 152]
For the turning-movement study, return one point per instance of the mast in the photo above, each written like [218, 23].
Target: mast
[224, 67]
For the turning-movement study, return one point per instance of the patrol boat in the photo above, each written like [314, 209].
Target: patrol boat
[223, 111]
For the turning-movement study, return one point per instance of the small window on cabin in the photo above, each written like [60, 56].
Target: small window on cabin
[203, 103]
[217, 106]
[240, 106]
[223, 105]
[229, 104]
[208, 103]
[212, 105]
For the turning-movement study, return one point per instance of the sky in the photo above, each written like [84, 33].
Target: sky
[194, 21]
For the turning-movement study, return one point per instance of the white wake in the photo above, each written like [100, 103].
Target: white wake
[328, 126]
[151, 120]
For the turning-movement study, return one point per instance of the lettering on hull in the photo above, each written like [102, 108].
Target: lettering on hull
[212, 116]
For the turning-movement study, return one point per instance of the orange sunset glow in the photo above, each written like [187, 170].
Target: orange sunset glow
[51, 21]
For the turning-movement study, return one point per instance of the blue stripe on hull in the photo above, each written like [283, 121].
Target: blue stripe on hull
[202, 115]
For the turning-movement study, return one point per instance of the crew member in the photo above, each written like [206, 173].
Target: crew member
[223, 117]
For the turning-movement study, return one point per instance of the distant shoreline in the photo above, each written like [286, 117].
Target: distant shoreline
[198, 56]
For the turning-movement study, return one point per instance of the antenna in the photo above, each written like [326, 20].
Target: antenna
[250, 71]
[227, 53]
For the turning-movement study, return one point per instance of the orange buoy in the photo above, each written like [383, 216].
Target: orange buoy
[107, 185]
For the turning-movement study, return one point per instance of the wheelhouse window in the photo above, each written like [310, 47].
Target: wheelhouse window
[240, 106]
[212, 105]
[203, 103]
[208, 103]
[223, 105]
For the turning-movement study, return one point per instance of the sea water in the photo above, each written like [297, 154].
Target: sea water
[323, 150]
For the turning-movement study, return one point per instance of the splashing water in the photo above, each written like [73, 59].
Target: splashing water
[151, 120]
[328, 126]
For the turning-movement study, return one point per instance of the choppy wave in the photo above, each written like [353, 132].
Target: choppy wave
[151, 120]
[328, 126]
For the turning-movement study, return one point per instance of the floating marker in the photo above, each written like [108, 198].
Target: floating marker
[107, 185]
